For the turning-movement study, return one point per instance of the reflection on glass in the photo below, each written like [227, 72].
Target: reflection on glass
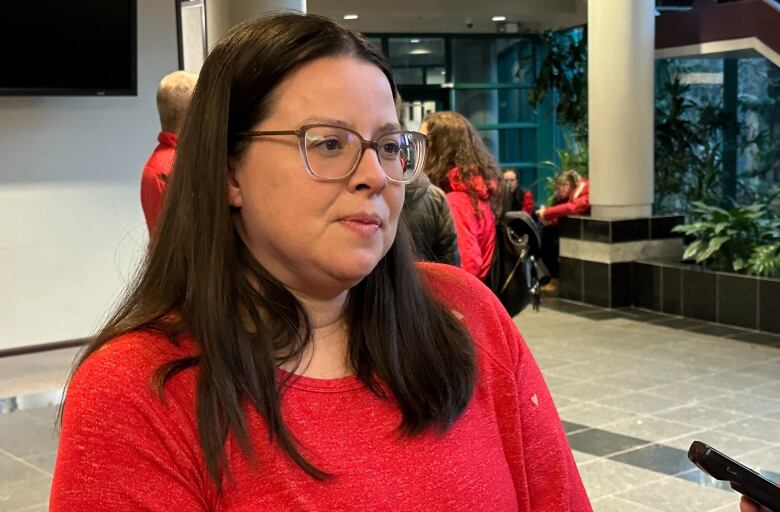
[435, 76]
[408, 76]
[479, 106]
[476, 60]
[424, 52]
[513, 106]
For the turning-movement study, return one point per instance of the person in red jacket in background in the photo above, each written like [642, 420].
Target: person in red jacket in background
[460, 164]
[516, 199]
[571, 198]
[173, 96]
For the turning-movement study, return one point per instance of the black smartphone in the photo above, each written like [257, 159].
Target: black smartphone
[743, 479]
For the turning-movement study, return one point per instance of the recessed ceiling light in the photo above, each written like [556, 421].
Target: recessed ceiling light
[414, 41]
[419, 51]
[498, 18]
[351, 16]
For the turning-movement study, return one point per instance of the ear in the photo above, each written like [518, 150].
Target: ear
[235, 198]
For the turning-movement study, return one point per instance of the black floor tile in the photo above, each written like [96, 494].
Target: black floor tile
[700, 477]
[569, 426]
[718, 330]
[658, 458]
[565, 306]
[600, 442]
[605, 315]
[687, 324]
[759, 338]
[644, 315]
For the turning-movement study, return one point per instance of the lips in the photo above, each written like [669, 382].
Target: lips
[363, 218]
[362, 224]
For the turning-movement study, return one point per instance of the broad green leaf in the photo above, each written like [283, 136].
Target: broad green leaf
[692, 250]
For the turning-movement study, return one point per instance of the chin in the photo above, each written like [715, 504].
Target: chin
[356, 266]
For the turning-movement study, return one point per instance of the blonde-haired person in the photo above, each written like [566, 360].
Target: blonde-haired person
[572, 197]
[173, 98]
[459, 163]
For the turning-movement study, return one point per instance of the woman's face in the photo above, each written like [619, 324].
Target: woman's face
[319, 238]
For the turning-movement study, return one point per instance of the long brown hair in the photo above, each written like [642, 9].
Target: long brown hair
[199, 276]
[456, 143]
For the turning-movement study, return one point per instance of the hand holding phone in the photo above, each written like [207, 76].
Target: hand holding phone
[743, 479]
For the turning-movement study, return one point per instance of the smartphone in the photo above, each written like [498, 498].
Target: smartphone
[743, 479]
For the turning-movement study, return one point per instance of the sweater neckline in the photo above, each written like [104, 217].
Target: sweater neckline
[336, 385]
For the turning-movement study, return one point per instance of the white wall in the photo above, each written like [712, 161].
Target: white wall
[71, 227]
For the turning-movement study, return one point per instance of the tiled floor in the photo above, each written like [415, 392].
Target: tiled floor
[633, 389]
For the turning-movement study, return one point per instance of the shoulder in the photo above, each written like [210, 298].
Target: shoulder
[459, 202]
[496, 338]
[124, 367]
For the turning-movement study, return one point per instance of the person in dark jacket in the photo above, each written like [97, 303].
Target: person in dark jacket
[516, 198]
[429, 220]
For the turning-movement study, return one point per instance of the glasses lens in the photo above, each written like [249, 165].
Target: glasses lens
[332, 152]
[402, 155]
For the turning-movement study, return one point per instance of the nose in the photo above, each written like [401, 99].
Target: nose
[369, 174]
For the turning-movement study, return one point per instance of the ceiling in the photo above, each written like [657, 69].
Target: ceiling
[424, 16]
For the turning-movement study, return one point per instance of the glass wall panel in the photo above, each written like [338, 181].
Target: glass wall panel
[416, 52]
[408, 76]
[479, 106]
[435, 76]
[474, 60]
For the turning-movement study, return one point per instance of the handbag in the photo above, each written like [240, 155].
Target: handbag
[517, 271]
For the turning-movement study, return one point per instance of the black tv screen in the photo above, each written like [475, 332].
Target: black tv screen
[68, 47]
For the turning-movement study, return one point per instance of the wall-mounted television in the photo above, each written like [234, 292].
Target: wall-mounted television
[68, 48]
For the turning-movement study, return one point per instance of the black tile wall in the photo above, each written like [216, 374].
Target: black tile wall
[671, 290]
[596, 282]
[699, 295]
[621, 285]
[646, 284]
[630, 230]
[769, 305]
[570, 285]
[595, 230]
[737, 301]
[570, 227]
[661, 227]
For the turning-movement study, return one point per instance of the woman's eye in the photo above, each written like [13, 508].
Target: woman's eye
[328, 145]
[390, 149]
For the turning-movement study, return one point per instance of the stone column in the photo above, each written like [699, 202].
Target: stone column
[621, 45]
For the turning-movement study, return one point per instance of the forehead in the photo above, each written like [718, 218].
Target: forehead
[344, 88]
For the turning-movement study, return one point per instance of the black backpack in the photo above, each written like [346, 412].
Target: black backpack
[517, 271]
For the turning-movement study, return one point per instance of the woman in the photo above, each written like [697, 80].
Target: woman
[572, 197]
[280, 350]
[460, 164]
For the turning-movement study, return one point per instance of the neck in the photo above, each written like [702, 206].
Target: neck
[325, 357]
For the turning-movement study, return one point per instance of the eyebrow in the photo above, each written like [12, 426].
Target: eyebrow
[387, 127]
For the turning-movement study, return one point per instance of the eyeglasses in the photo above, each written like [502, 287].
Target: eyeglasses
[333, 153]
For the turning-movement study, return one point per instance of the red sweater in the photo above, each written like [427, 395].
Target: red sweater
[123, 449]
[155, 177]
[476, 236]
[577, 204]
